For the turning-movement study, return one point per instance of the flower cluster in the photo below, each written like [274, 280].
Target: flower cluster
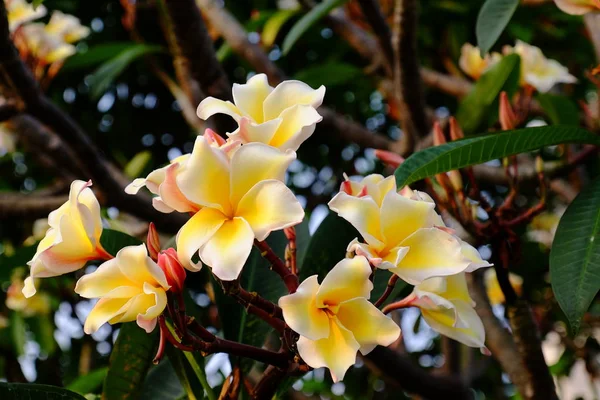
[536, 70]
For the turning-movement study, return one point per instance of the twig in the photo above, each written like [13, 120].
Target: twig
[372, 12]
[290, 279]
[388, 290]
[28, 206]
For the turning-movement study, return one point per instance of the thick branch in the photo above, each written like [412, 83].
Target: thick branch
[372, 11]
[28, 205]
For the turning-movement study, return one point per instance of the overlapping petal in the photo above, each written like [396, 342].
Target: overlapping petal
[348, 280]
[249, 97]
[363, 213]
[195, 233]
[301, 313]
[291, 93]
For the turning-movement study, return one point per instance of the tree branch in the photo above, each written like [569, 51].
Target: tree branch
[29, 206]
[372, 11]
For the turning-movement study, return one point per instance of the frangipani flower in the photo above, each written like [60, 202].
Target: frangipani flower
[240, 199]
[16, 300]
[537, 70]
[448, 309]
[162, 182]
[578, 7]
[282, 117]
[402, 234]
[494, 292]
[335, 319]
[72, 240]
[43, 46]
[131, 287]
[471, 62]
[21, 11]
[66, 27]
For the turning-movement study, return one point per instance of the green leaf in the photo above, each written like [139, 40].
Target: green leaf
[307, 21]
[560, 109]
[482, 99]
[28, 391]
[42, 327]
[18, 332]
[134, 168]
[162, 383]
[96, 55]
[102, 77]
[274, 24]
[491, 21]
[36, 3]
[113, 241]
[129, 362]
[329, 74]
[19, 259]
[302, 241]
[480, 149]
[88, 383]
[575, 255]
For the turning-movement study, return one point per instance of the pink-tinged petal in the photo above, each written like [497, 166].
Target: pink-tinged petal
[205, 179]
[288, 94]
[104, 311]
[336, 352]
[211, 106]
[362, 249]
[474, 257]
[134, 263]
[433, 252]
[362, 213]
[369, 326]
[195, 233]
[160, 205]
[146, 324]
[249, 97]
[577, 7]
[401, 217]
[473, 334]
[228, 249]
[255, 162]
[89, 210]
[393, 257]
[103, 280]
[301, 313]
[298, 123]
[349, 279]
[170, 193]
[28, 287]
[249, 131]
[269, 206]
[159, 301]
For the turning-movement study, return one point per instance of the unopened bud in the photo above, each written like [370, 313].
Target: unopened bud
[153, 242]
[508, 118]
[213, 137]
[539, 165]
[174, 271]
[456, 131]
[438, 134]
[456, 180]
[389, 158]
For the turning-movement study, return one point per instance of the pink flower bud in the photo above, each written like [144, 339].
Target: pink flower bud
[213, 137]
[438, 134]
[153, 242]
[174, 272]
[387, 157]
[456, 131]
[508, 118]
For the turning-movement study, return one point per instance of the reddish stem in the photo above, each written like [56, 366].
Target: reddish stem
[277, 265]
[388, 291]
[404, 303]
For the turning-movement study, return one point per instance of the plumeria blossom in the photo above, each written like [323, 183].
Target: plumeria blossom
[66, 27]
[162, 182]
[16, 300]
[131, 287]
[578, 7]
[537, 70]
[402, 233]
[448, 309]
[473, 64]
[283, 117]
[240, 199]
[43, 46]
[72, 240]
[335, 320]
[21, 11]
[494, 292]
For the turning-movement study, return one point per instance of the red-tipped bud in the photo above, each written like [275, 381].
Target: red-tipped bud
[213, 137]
[290, 233]
[391, 159]
[456, 131]
[347, 187]
[456, 180]
[508, 118]
[153, 242]
[438, 134]
[174, 271]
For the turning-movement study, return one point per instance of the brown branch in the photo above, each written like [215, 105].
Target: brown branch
[28, 206]
[372, 11]
[290, 280]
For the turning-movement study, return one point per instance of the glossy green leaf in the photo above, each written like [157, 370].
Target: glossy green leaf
[329, 74]
[560, 109]
[274, 24]
[135, 167]
[480, 149]
[308, 20]
[575, 255]
[113, 241]
[491, 21]
[129, 362]
[96, 55]
[18, 259]
[28, 391]
[105, 75]
[36, 3]
[42, 327]
[162, 383]
[88, 383]
[481, 101]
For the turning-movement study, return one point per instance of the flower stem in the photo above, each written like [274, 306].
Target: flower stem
[290, 279]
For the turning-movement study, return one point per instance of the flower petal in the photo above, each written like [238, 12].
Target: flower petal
[301, 313]
[249, 131]
[349, 279]
[474, 257]
[255, 162]
[205, 179]
[170, 193]
[336, 352]
[298, 123]
[134, 263]
[269, 206]
[433, 252]
[362, 213]
[288, 94]
[104, 310]
[211, 106]
[473, 335]
[228, 249]
[249, 97]
[369, 326]
[106, 278]
[195, 233]
[401, 217]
